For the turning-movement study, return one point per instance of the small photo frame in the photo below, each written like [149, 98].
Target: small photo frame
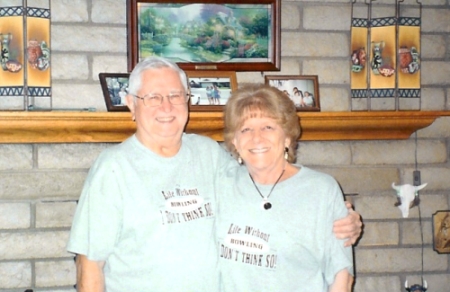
[115, 88]
[441, 231]
[302, 90]
[210, 90]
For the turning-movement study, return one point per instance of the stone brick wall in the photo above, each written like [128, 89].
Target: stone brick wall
[40, 183]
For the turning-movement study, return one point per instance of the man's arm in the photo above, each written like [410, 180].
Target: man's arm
[90, 276]
[349, 227]
[341, 282]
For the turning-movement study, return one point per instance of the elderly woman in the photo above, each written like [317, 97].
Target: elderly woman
[275, 222]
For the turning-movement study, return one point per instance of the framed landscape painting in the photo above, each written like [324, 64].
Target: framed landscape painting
[224, 35]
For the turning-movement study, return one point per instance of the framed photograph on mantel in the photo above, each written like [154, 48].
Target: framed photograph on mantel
[115, 88]
[210, 90]
[441, 231]
[224, 35]
[303, 90]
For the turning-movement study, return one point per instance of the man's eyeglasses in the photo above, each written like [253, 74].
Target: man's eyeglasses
[156, 99]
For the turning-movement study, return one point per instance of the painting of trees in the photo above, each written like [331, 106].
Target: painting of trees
[204, 32]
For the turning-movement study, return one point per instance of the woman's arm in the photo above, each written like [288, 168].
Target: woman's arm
[90, 276]
[341, 282]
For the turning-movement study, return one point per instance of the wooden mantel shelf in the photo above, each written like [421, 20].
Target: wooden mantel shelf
[79, 127]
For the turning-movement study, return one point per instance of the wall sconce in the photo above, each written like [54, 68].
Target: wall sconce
[25, 76]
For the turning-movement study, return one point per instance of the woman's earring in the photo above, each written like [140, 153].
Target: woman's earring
[240, 160]
[133, 119]
[286, 153]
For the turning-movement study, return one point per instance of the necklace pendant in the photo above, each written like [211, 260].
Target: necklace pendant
[266, 205]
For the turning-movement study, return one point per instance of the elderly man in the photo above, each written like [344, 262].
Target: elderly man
[145, 219]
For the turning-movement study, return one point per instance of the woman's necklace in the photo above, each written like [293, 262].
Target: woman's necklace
[265, 204]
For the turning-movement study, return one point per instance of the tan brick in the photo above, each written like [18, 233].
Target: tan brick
[377, 284]
[55, 214]
[55, 273]
[436, 177]
[15, 274]
[308, 44]
[9, 3]
[380, 11]
[438, 20]
[69, 11]
[63, 156]
[250, 77]
[64, 96]
[380, 234]
[397, 260]
[109, 64]
[335, 72]
[433, 46]
[411, 232]
[362, 179]
[15, 215]
[44, 184]
[39, 3]
[324, 17]
[382, 104]
[26, 245]
[409, 104]
[435, 73]
[383, 152]
[63, 67]
[114, 13]
[429, 203]
[14, 156]
[317, 153]
[289, 66]
[333, 99]
[290, 17]
[378, 206]
[11, 103]
[398, 152]
[433, 99]
[89, 38]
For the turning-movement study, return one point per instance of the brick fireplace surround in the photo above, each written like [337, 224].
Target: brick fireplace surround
[44, 157]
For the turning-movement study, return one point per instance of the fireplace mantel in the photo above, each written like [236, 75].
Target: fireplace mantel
[87, 127]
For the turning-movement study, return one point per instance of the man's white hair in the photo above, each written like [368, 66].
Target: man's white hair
[150, 63]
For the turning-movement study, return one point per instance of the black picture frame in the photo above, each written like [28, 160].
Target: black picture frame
[217, 36]
[113, 86]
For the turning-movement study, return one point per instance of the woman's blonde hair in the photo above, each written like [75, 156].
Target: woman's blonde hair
[261, 101]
